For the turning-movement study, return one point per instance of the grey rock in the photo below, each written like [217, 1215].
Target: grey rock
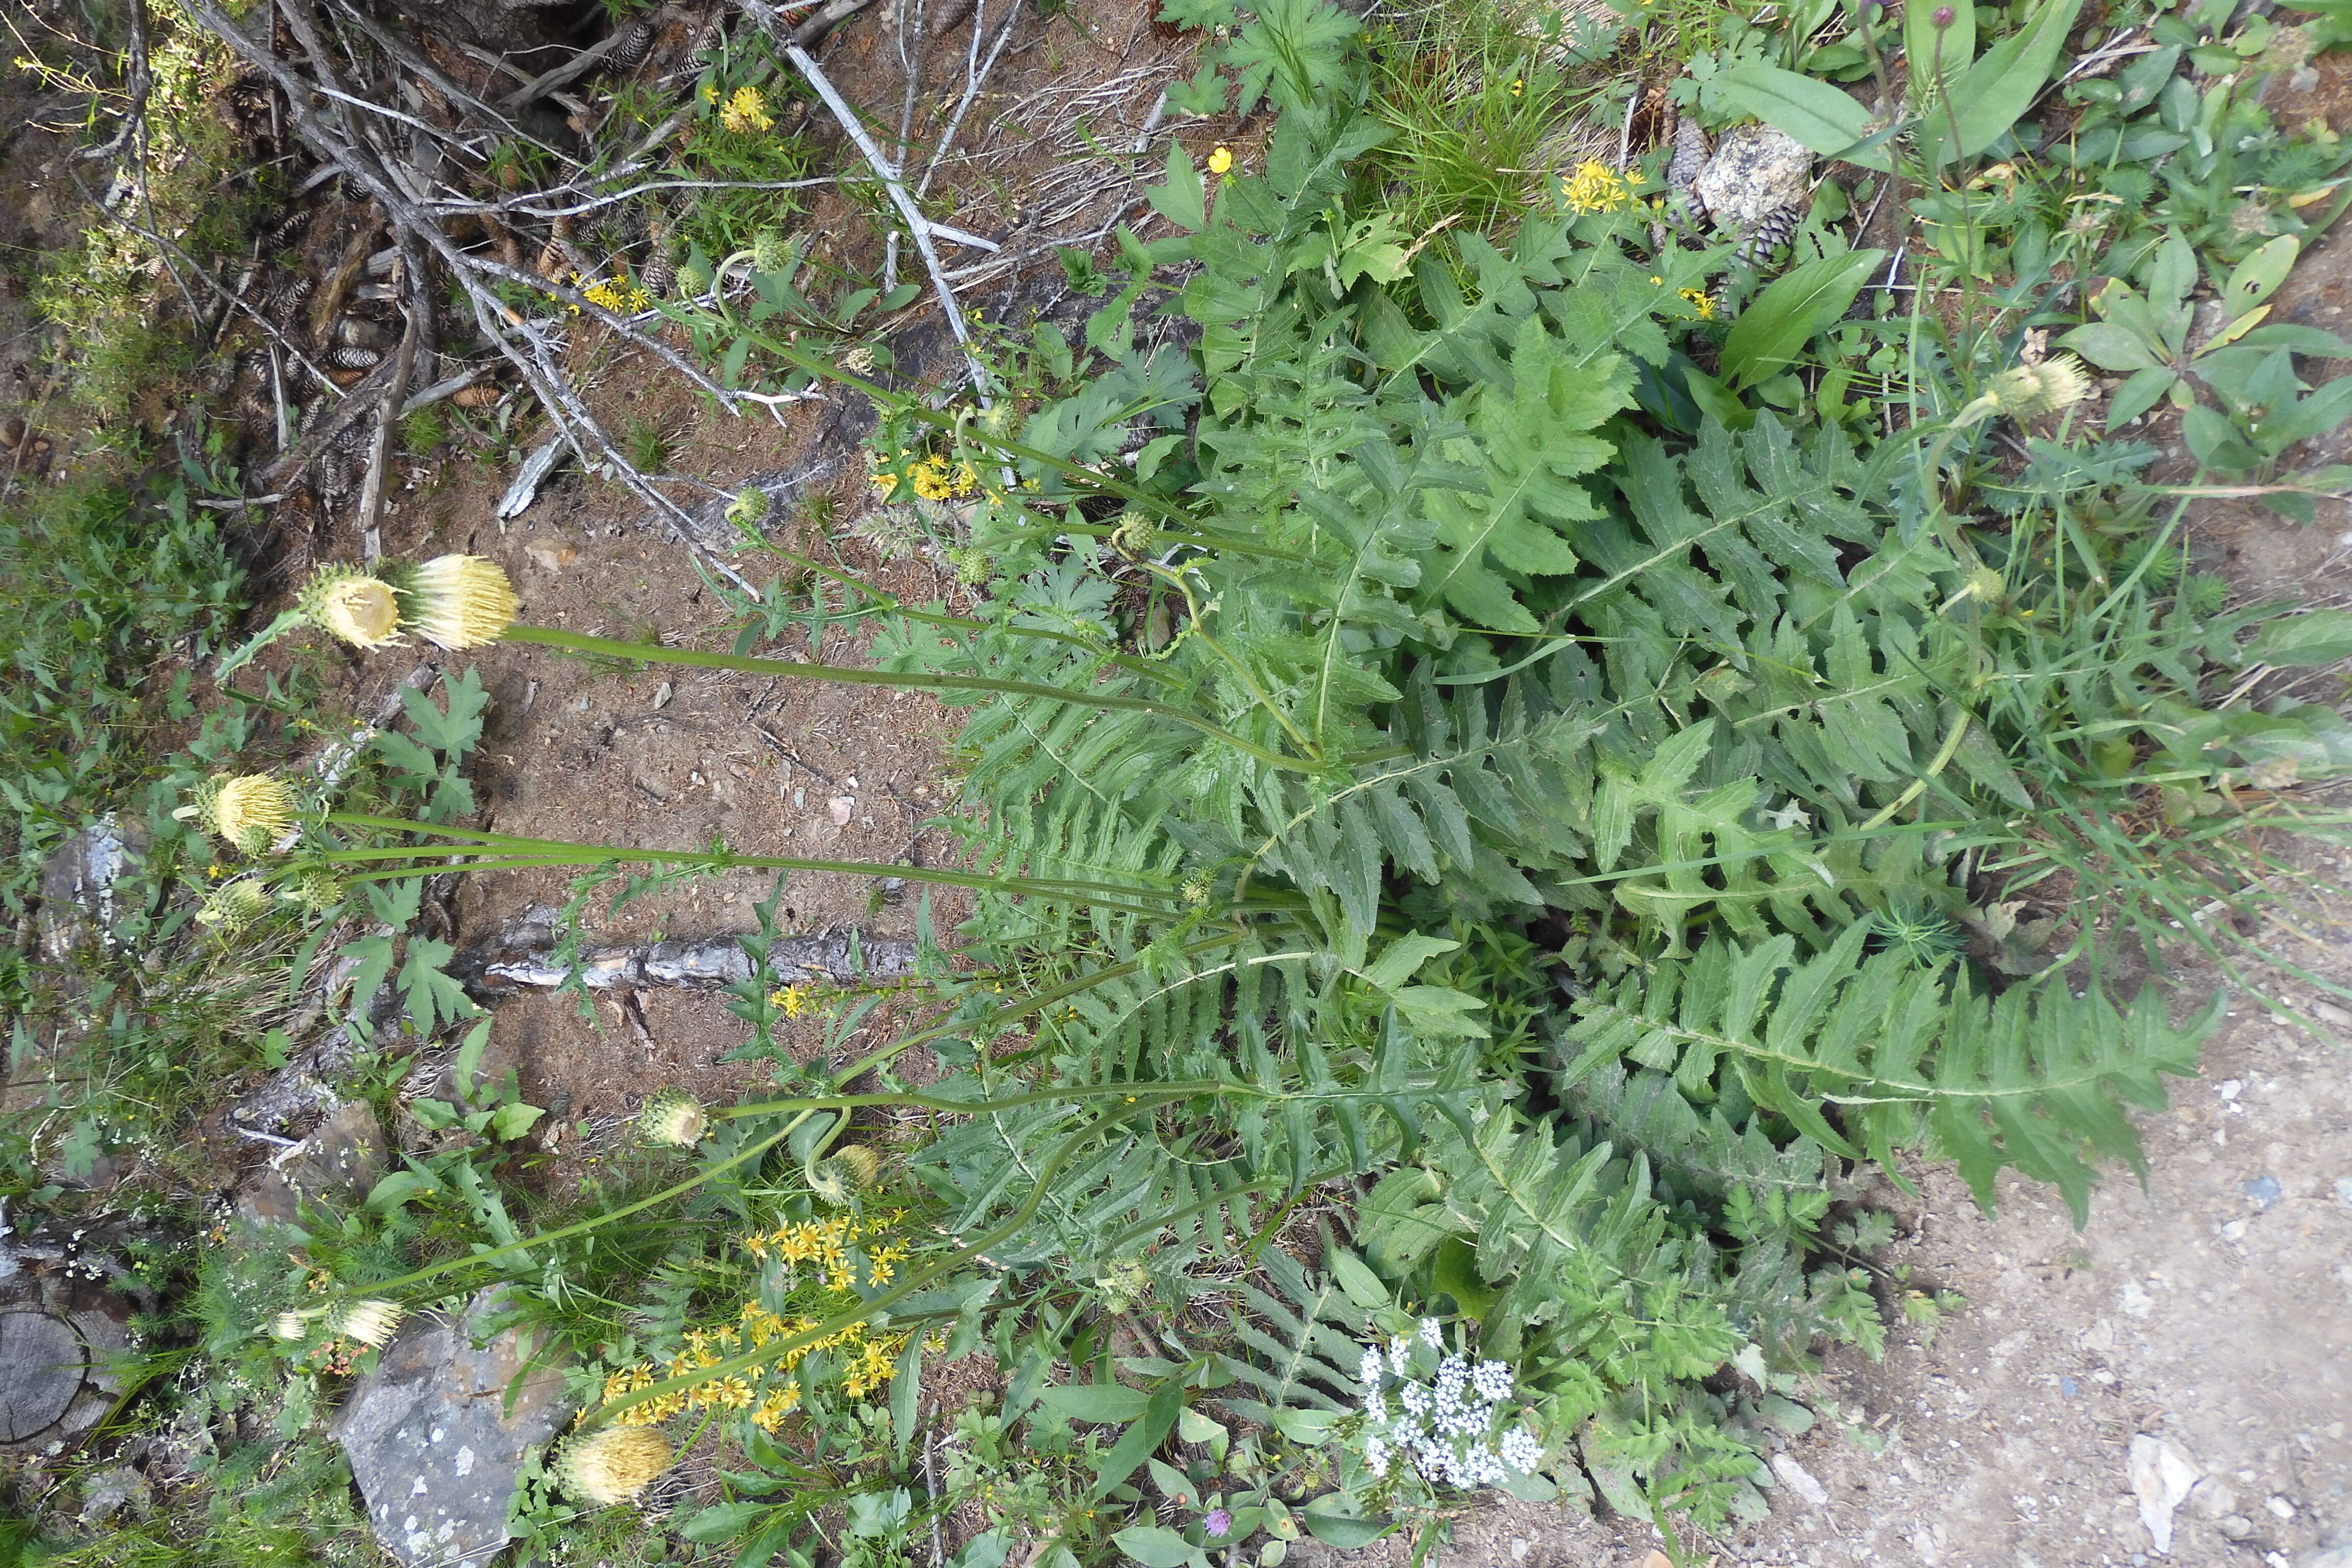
[2236, 1526]
[112, 1491]
[2161, 1477]
[337, 1163]
[2213, 1499]
[437, 1438]
[1800, 1480]
[78, 885]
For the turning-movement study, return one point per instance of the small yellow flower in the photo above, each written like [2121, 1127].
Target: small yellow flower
[746, 111]
[1595, 187]
[1221, 159]
[1700, 301]
[1518, 85]
[619, 295]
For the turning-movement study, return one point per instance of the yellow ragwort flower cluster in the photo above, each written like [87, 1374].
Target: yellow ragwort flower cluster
[746, 111]
[793, 999]
[1595, 187]
[868, 1359]
[1701, 302]
[933, 478]
[622, 295]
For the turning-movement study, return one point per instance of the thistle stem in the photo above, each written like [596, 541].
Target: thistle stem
[917, 680]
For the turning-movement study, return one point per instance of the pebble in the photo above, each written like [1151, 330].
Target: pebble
[2280, 1507]
[2161, 1477]
[662, 694]
[839, 808]
[2328, 1013]
[2264, 1190]
[1800, 1480]
[2236, 1526]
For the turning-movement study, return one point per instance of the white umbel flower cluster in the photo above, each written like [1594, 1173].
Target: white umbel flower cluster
[1446, 1421]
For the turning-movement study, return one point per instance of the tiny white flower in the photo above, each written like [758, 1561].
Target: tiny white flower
[1492, 1379]
[1369, 1374]
[1376, 1457]
[1430, 1334]
[1400, 1353]
[1521, 1451]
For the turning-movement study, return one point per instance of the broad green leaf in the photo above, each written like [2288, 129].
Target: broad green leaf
[2110, 345]
[1137, 1443]
[2258, 277]
[1338, 1519]
[2142, 392]
[1099, 1401]
[1999, 89]
[1771, 333]
[1357, 1279]
[511, 1120]
[1401, 958]
[1813, 112]
[1180, 198]
[722, 1521]
[1157, 1546]
[2316, 638]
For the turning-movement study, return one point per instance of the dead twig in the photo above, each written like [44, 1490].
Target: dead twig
[917, 225]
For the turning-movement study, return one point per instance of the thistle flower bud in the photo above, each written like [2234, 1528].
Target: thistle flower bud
[235, 906]
[838, 1178]
[359, 609]
[611, 1464]
[768, 251]
[461, 601]
[369, 1321]
[673, 1118]
[750, 505]
[249, 810]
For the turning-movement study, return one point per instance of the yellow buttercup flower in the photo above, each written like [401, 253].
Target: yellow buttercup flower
[1221, 159]
[1595, 187]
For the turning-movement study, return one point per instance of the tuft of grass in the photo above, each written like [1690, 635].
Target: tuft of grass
[648, 447]
[1480, 119]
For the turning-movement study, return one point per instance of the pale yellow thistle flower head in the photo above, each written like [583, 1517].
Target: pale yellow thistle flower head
[361, 610]
[252, 811]
[2028, 391]
[611, 1464]
[461, 601]
[290, 1326]
[371, 1322]
[672, 1119]
[2031, 391]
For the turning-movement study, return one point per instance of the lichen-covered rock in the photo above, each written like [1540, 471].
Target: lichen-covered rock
[436, 1443]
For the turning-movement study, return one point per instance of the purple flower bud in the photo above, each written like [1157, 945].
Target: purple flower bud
[1219, 1523]
[1942, 17]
